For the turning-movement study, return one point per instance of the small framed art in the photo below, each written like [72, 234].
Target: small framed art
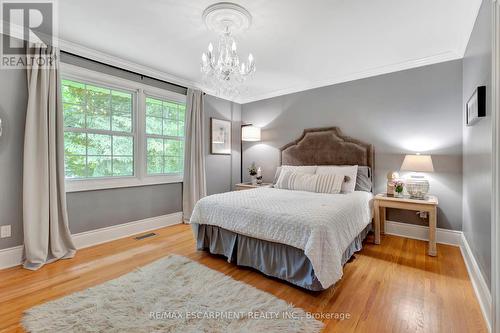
[475, 108]
[220, 137]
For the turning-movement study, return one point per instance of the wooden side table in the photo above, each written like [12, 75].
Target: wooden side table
[248, 186]
[429, 205]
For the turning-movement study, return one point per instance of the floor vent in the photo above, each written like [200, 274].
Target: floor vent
[151, 234]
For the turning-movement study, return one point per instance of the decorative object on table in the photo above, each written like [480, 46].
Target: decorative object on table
[417, 185]
[391, 178]
[259, 175]
[476, 106]
[249, 133]
[220, 137]
[222, 68]
[398, 186]
[252, 170]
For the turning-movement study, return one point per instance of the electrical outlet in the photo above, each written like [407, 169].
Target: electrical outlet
[5, 231]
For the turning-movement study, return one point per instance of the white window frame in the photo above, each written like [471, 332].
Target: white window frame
[140, 91]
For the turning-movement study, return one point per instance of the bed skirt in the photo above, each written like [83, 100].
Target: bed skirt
[273, 259]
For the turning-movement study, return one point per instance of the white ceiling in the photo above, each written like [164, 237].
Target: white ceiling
[297, 45]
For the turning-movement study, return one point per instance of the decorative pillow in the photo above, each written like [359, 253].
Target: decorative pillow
[309, 169]
[298, 181]
[349, 171]
[363, 180]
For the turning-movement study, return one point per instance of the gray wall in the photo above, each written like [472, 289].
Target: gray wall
[223, 171]
[13, 102]
[477, 145]
[91, 210]
[417, 110]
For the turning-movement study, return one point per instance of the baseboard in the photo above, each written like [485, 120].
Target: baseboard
[481, 289]
[13, 256]
[443, 236]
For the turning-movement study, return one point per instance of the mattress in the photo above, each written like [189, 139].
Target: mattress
[321, 225]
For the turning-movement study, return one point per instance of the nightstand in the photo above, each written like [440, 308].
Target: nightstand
[249, 186]
[429, 205]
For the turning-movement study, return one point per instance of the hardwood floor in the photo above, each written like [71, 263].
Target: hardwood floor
[392, 287]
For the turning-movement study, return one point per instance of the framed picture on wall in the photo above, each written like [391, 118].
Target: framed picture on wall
[220, 137]
[476, 106]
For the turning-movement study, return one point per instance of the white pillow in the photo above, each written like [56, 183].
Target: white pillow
[309, 169]
[350, 171]
[298, 181]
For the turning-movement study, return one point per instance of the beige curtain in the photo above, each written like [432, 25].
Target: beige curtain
[194, 187]
[45, 219]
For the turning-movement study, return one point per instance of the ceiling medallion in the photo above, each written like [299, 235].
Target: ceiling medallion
[222, 68]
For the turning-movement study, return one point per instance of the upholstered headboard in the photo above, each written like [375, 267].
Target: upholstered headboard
[327, 146]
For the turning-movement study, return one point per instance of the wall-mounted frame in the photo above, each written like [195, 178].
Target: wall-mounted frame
[220, 137]
[476, 106]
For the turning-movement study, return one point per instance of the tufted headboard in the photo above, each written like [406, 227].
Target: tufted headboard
[327, 146]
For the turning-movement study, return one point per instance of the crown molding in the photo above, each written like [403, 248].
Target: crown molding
[396, 67]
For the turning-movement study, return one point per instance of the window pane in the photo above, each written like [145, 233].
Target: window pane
[170, 127]
[155, 147]
[99, 144]
[155, 165]
[153, 125]
[74, 115]
[153, 107]
[123, 166]
[121, 102]
[99, 166]
[170, 110]
[172, 148]
[98, 119]
[75, 143]
[73, 92]
[181, 128]
[121, 122]
[98, 98]
[182, 112]
[89, 108]
[123, 145]
[173, 165]
[75, 166]
[154, 155]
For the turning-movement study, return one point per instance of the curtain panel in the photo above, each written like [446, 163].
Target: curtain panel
[45, 219]
[194, 186]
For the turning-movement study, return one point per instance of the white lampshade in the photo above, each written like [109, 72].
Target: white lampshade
[250, 133]
[417, 163]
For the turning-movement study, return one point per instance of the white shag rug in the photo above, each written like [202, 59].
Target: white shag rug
[173, 294]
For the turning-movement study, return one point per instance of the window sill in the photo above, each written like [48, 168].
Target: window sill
[82, 185]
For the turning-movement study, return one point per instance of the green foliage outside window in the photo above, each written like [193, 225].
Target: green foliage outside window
[164, 136]
[89, 111]
[99, 127]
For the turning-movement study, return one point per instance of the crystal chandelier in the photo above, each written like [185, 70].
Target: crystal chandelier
[222, 69]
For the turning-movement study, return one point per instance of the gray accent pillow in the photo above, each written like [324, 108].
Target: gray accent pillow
[363, 179]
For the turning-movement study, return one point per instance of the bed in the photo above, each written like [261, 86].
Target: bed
[301, 237]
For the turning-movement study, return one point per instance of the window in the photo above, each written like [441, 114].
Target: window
[119, 133]
[98, 136]
[164, 136]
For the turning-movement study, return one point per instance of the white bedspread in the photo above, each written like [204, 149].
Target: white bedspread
[322, 225]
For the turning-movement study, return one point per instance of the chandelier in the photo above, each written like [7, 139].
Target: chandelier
[222, 68]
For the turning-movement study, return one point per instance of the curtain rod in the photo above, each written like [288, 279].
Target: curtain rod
[122, 69]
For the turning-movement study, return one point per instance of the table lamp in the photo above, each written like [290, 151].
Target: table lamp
[248, 133]
[417, 185]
